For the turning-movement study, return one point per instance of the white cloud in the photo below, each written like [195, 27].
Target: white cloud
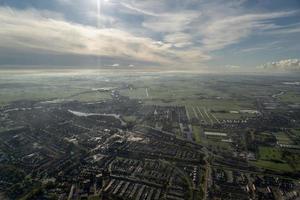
[29, 30]
[179, 39]
[262, 47]
[138, 10]
[212, 27]
[233, 67]
[282, 65]
[168, 32]
[286, 31]
[230, 30]
[171, 22]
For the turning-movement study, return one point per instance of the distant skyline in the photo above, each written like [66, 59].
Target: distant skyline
[201, 35]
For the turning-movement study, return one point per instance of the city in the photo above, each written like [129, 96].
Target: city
[132, 142]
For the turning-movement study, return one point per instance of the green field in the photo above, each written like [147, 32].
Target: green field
[294, 161]
[43, 87]
[7, 96]
[43, 94]
[92, 96]
[2, 129]
[135, 93]
[279, 167]
[296, 132]
[283, 138]
[197, 134]
[277, 159]
[218, 145]
[290, 97]
[232, 116]
[264, 136]
[185, 93]
[130, 118]
[270, 153]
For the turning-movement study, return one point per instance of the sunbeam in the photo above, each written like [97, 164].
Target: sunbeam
[99, 5]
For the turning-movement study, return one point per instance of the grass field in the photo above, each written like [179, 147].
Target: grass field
[264, 136]
[41, 94]
[218, 145]
[55, 86]
[92, 96]
[290, 97]
[229, 116]
[277, 159]
[198, 112]
[296, 132]
[135, 93]
[283, 138]
[185, 93]
[209, 104]
[196, 133]
[293, 158]
[2, 129]
[279, 167]
[130, 118]
[270, 153]
[7, 95]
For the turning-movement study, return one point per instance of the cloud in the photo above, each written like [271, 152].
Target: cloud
[171, 22]
[29, 30]
[138, 10]
[233, 67]
[175, 33]
[115, 65]
[209, 26]
[179, 39]
[282, 65]
[277, 45]
[230, 30]
[286, 30]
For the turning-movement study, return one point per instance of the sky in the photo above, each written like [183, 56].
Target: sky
[200, 35]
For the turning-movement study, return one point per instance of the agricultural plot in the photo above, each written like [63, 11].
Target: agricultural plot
[279, 167]
[191, 113]
[35, 93]
[136, 93]
[203, 115]
[290, 97]
[283, 138]
[293, 158]
[130, 118]
[42, 87]
[209, 116]
[264, 136]
[92, 96]
[2, 129]
[296, 132]
[233, 116]
[197, 134]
